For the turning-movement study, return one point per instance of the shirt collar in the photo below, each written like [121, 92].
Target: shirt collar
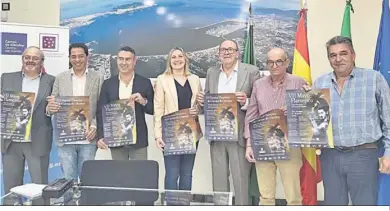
[39, 75]
[131, 80]
[235, 69]
[72, 71]
[281, 82]
[351, 75]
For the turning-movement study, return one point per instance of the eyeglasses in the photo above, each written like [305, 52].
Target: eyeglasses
[278, 62]
[229, 50]
[34, 58]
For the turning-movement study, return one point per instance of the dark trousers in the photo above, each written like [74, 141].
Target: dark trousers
[354, 172]
[178, 171]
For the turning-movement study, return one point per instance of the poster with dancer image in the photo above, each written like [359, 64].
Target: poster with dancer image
[119, 123]
[72, 121]
[221, 120]
[180, 133]
[16, 115]
[309, 118]
[268, 135]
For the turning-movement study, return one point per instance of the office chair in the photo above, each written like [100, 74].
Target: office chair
[117, 173]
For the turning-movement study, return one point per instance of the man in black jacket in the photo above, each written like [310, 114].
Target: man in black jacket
[127, 85]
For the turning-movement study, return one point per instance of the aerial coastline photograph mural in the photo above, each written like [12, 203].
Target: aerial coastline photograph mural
[153, 27]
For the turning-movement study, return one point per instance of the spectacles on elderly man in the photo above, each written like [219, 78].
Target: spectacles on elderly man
[229, 50]
[278, 62]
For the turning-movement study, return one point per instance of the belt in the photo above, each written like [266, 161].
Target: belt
[363, 146]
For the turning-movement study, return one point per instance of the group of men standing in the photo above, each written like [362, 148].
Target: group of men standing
[360, 112]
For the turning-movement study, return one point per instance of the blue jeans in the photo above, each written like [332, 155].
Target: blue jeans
[72, 157]
[354, 172]
[178, 171]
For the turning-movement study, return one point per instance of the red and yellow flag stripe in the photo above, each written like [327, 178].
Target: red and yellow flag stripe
[310, 173]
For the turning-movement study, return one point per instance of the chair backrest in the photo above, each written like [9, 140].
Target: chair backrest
[118, 173]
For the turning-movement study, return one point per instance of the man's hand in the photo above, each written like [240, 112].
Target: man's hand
[52, 105]
[160, 143]
[384, 165]
[306, 88]
[249, 155]
[138, 98]
[101, 144]
[91, 133]
[193, 112]
[241, 98]
[284, 109]
[200, 98]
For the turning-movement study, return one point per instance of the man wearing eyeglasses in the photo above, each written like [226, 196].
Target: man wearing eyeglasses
[231, 77]
[268, 94]
[36, 147]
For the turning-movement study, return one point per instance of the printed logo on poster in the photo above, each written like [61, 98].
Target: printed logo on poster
[48, 42]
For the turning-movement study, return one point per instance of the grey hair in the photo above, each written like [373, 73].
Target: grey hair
[339, 40]
[233, 41]
[31, 47]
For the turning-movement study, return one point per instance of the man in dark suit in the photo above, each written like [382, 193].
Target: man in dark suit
[128, 85]
[35, 148]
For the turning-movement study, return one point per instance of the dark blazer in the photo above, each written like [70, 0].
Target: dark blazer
[110, 93]
[41, 128]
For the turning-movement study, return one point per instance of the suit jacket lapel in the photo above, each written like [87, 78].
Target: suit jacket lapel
[172, 90]
[42, 90]
[115, 89]
[18, 83]
[241, 77]
[68, 80]
[215, 80]
[194, 89]
[89, 81]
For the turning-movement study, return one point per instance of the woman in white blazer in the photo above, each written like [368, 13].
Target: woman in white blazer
[176, 89]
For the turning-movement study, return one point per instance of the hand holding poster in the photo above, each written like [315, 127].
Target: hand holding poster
[72, 121]
[268, 135]
[221, 120]
[16, 115]
[309, 118]
[180, 133]
[119, 123]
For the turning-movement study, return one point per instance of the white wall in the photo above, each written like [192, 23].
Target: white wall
[324, 22]
[40, 12]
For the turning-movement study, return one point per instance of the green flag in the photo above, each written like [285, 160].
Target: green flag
[249, 58]
[249, 51]
[346, 26]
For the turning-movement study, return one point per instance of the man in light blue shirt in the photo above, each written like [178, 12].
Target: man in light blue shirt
[35, 148]
[360, 107]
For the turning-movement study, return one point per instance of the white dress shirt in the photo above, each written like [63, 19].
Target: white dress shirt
[228, 84]
[78, 84]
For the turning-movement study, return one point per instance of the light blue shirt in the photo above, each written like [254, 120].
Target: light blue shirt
[30, 85]
[361, 114]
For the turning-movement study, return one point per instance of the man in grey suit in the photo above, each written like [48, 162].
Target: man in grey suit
[231, 77]
[36, 148]
[78, 81]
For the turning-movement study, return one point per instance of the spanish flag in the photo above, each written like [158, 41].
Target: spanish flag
[310, 173]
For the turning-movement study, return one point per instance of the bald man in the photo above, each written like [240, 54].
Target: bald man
[231, 76]
[268, 94]
[36, 148]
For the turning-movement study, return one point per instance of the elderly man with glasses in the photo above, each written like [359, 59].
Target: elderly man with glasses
[35, 148]
[269, 93]
[231, 76]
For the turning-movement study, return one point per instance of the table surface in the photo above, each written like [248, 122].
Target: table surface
[119, 196]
